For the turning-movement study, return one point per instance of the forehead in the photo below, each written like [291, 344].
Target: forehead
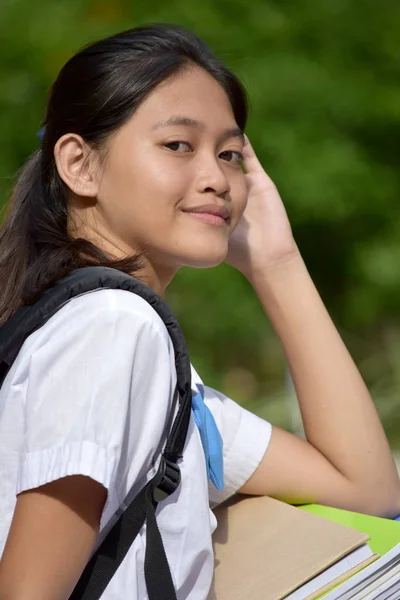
[193, 93]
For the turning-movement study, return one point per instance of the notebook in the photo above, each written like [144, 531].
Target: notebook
[384, 533]
[268, 550]
[382, 579]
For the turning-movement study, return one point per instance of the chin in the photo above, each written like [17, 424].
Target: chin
[206, 261]
[198, 252]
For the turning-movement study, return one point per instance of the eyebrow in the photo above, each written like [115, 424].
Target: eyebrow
[188, 122]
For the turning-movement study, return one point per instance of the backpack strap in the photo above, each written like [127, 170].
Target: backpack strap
[107, 558]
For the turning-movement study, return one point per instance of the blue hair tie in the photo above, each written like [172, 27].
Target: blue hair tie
[40, 133]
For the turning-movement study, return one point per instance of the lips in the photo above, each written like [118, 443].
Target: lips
[208, 218]
[214, 214]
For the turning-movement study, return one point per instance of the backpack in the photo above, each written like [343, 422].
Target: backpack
[111, 552]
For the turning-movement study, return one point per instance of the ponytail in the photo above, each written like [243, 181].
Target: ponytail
[15, 240]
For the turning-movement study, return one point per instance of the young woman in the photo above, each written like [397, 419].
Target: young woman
[140, 168]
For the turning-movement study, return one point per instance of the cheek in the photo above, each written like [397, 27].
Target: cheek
[144, 182]
[155, 178]
[170, 182]
[239, 196]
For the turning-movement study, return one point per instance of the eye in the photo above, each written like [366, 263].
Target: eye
[232, 156]
[178, 146]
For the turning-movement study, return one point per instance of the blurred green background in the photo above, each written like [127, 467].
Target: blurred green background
[324, 83]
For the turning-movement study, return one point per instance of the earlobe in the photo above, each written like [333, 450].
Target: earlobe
[75, 164]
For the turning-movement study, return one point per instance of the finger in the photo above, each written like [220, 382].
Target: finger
[253, 168]
[250, 160]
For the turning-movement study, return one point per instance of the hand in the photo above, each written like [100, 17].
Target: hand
[263, 236]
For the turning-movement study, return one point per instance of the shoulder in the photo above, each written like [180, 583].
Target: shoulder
[105, 311]
[113, 304]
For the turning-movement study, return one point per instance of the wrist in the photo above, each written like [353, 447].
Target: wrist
[285, 267]
[288, 295]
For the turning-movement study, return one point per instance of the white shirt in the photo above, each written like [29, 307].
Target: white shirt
[91, 393]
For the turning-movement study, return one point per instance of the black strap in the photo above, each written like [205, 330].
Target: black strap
[111, 552]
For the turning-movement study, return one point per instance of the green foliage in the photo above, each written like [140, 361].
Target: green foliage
[323, 79]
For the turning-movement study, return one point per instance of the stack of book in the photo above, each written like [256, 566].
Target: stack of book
[268, 550]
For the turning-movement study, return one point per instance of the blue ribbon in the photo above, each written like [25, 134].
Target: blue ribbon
[210, 438]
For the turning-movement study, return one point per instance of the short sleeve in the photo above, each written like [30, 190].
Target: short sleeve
[90, 375]
[245, 439]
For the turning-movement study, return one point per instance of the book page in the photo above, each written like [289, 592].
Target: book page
[346, 564]
[357, 583]
[379, 584]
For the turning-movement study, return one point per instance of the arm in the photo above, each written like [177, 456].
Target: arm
[345, 460]
[52, 534]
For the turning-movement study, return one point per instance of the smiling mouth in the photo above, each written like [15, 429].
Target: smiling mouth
[208, 218]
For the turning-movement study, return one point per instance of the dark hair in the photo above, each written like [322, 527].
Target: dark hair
[96, 92]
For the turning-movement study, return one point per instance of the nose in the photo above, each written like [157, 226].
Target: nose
[212, 178]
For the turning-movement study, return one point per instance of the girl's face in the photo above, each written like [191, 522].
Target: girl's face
[172, 183]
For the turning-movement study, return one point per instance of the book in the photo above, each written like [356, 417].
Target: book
[384, 533]
[269, 550]
[381, 580]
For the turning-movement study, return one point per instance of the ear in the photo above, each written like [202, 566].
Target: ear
[77, 165]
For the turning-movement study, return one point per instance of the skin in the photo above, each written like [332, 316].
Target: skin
[136, 199]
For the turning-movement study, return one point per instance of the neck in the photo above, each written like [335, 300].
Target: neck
[154, 274]
[155, 278]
